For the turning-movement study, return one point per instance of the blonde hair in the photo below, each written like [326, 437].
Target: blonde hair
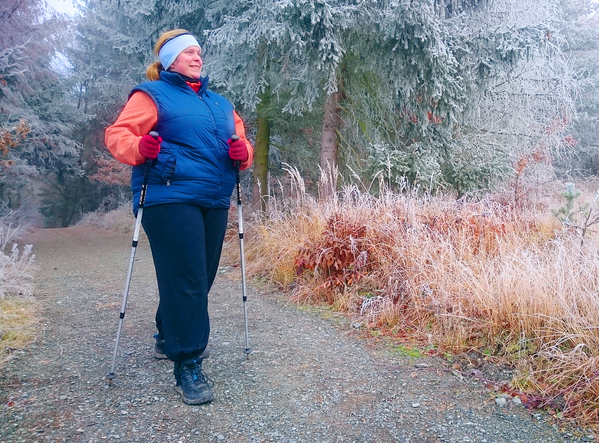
[153, 71]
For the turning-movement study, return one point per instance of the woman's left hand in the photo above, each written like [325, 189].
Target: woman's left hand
[238, 150]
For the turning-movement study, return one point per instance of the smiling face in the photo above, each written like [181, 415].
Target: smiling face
[189, 62]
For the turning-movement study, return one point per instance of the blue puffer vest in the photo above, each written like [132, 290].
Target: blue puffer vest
[193, 165]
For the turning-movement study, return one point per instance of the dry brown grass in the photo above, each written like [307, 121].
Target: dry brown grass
[17, 325]
[450, 275]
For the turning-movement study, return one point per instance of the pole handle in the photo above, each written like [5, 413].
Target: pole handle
[234, 138]
[237, 165]
[148, 165]
[155, 135]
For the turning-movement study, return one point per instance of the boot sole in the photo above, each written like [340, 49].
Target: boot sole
[206, 398]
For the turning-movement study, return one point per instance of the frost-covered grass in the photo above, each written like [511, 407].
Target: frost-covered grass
[448, 277]
[17, 311]
[15, 265]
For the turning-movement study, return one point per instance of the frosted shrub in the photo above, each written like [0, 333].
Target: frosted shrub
[120, 219]
[15, 267]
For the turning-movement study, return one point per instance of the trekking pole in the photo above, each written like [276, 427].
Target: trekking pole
[248, 350]
[140, 211]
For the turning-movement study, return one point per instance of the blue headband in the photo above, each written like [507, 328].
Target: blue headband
[171, 49]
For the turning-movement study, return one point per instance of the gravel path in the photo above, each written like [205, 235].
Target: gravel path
[308, 379]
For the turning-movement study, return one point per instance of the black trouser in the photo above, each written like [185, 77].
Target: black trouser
[186, 243]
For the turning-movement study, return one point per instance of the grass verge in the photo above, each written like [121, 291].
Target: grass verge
[17, 325]
[517, 287]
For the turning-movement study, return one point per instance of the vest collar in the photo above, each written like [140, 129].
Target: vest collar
[176, 79]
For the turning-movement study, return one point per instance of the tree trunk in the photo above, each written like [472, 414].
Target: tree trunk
[260, 176]
[329, 148]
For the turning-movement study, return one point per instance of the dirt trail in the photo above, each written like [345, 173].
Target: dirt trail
[308, 379]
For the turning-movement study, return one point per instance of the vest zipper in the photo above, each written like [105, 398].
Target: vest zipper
[212, 117]
[215, 129]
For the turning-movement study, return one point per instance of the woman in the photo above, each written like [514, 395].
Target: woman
[189, 188]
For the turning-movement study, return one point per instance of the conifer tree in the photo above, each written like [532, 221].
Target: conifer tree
[580, 29]
[36, 121]
[290, 50]
[472, 81]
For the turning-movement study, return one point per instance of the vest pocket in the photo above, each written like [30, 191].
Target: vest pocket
[168, 169]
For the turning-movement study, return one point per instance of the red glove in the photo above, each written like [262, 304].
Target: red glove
[149, 147]
[238, 151]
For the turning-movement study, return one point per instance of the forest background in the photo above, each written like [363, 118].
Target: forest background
[431, 147]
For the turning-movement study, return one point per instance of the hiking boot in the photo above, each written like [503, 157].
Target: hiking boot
[192, 383]
[160, 353]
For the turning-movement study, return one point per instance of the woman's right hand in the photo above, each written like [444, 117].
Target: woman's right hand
[149, 147]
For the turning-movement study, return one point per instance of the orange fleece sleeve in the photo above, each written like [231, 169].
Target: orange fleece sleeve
[240, 131]
[138, 118]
